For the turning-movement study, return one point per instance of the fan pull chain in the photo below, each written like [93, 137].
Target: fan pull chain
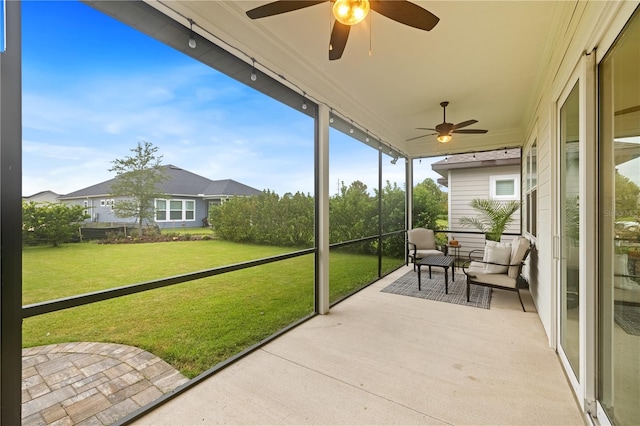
[370, 33]
[330, 28]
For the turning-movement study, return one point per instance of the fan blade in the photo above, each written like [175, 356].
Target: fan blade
[426, 128]
[470, 131]
[338, 42]
[418, 137]
[406, 13]
[281, 6]
[464, 124]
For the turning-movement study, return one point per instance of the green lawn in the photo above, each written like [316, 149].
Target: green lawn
[193, 325]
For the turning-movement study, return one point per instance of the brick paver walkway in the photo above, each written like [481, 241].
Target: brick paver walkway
[86, 383]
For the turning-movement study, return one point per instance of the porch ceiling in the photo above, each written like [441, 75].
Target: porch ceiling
[486, 58]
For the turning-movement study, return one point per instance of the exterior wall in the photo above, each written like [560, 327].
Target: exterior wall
[598, 26]
[99, 213]
[566, 49]
[100, 210]
[540, 272]
[465, 185]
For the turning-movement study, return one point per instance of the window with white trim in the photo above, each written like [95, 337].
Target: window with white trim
[175, 210]
[531, 190]
[506, 187]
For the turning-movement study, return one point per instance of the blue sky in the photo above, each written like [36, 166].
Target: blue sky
[93, 88]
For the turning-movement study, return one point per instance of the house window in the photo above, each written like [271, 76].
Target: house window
[531, 190]
[505, 187]
[189, 210]
[175, 210]
[161, 210]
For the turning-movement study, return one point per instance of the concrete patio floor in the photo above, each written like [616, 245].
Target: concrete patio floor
[381, 358]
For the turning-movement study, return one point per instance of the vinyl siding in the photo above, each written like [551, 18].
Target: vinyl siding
[465, 185]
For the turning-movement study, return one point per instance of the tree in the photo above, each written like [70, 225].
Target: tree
[627, 193]
[429, 202]
[493, 216]
[50, 223]
[393, 201]
[136, 184]
[352, 213]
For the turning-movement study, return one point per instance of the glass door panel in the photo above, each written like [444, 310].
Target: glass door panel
[570, 229]
[619, 229]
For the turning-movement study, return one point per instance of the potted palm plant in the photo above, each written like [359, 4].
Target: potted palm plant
[493, 216]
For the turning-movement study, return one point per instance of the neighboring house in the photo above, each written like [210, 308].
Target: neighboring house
[489, 174]
[42, 197]
[187, 202]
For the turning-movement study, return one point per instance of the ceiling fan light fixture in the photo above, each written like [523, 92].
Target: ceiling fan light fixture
[351, 12]
[444, 138]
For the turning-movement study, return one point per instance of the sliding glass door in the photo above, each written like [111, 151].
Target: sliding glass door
[570, 229]
[618, 377]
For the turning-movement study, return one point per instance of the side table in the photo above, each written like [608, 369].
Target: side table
[456, 251]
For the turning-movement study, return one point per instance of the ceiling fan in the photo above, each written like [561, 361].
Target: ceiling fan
[351, 12]
[444, 129]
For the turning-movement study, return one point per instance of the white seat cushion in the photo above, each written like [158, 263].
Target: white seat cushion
[501, 280]
[519, 248]
[424, 253]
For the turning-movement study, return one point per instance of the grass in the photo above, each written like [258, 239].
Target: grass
[192, 325]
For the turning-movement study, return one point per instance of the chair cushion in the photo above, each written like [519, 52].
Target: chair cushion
[423, 238]
[475, 268]
[500, 280]
[519, 248]
[424, 253]
[497, 253]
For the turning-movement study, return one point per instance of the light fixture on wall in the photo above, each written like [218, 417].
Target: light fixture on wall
[192, 38]
[351, 12]
[304, 100]
[351, 129]
[395, 160]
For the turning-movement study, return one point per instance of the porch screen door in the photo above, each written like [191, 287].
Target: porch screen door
[570, 230]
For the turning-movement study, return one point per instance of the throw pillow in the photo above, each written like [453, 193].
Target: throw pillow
[497, 254]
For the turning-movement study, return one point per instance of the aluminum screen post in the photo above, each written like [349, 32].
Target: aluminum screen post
[11, 218]
[322, 206]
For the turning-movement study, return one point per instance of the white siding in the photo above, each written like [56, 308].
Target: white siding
[566, 48]
[465, 185]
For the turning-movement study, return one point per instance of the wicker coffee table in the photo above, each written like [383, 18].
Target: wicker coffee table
[445, 262]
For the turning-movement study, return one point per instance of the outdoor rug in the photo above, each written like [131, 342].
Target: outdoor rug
[433, 289]
[628, 317]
